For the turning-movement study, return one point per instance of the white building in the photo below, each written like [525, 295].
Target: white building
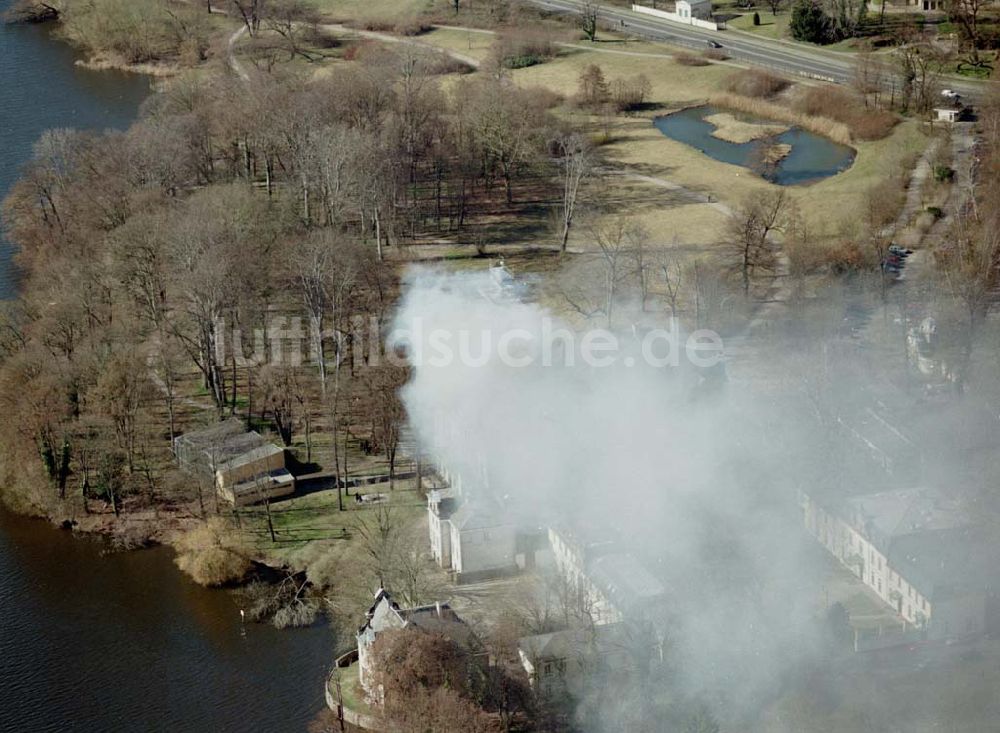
[948, 113]
[440, 506]
[611, 585]
[917, 550]
[687, 9]
[690, 12]
[909, 6]
[483, 540]
[475, 538]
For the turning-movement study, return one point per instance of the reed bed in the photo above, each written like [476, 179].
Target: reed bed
[836, 131]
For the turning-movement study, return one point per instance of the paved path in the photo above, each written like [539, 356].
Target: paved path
[388, 38]
[914, 203]
[234, 63]
[237, 66]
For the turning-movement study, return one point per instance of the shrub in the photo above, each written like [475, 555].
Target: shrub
[716, 54]
[524, 48]
[686, 59]
[756, 18]
[412, 28]
[441, 63]
[211, 554]
[935, 211]
[943, 174]
[842, 105]
[845, 257]
[593, 89]
[355, 50]
[629, 94]
[541, 98]
[756, 83]
[873, 124]
[287, 603]
[29, 11]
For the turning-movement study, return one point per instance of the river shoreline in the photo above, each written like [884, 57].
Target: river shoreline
[109, 63]
[97, 639]
[166, 653]
[93, 59]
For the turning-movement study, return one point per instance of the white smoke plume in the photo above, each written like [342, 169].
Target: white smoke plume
[695, 473]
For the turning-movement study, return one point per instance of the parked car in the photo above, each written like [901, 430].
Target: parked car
[949, 94]
[899, 251]
[714, 44]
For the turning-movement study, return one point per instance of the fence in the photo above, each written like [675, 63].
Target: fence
[335, 695]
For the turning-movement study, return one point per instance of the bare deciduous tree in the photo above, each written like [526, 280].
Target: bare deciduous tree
[251, 12]
[620, 242]
[577, 161]
[748, 244]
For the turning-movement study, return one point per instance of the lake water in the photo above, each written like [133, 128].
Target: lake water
[812, 157]
[41, 88]
[121, 643]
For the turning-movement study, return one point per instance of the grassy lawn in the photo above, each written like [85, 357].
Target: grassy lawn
[350, 689]
[367, 11]
[476, 44]
[841, 197]
[771, 25]
[671, 83]
[305, 525]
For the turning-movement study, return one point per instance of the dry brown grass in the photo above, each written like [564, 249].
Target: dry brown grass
[836, 131]
[727, 127]
[687, 59]
[756, 83]
[837, 103]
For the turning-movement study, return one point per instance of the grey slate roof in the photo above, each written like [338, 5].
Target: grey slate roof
[944, 564]
[575, 642]
[888, 515]
[479, 514]
[437, 618]
[624, 581]
[207, 449]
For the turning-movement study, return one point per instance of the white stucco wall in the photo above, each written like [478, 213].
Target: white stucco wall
[482, 550]
[678, 18]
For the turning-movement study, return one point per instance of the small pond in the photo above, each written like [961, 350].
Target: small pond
[811, 158]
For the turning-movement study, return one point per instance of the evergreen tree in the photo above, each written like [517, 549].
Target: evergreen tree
[809, 23]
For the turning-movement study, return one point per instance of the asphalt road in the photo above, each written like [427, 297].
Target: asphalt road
[783, 56]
